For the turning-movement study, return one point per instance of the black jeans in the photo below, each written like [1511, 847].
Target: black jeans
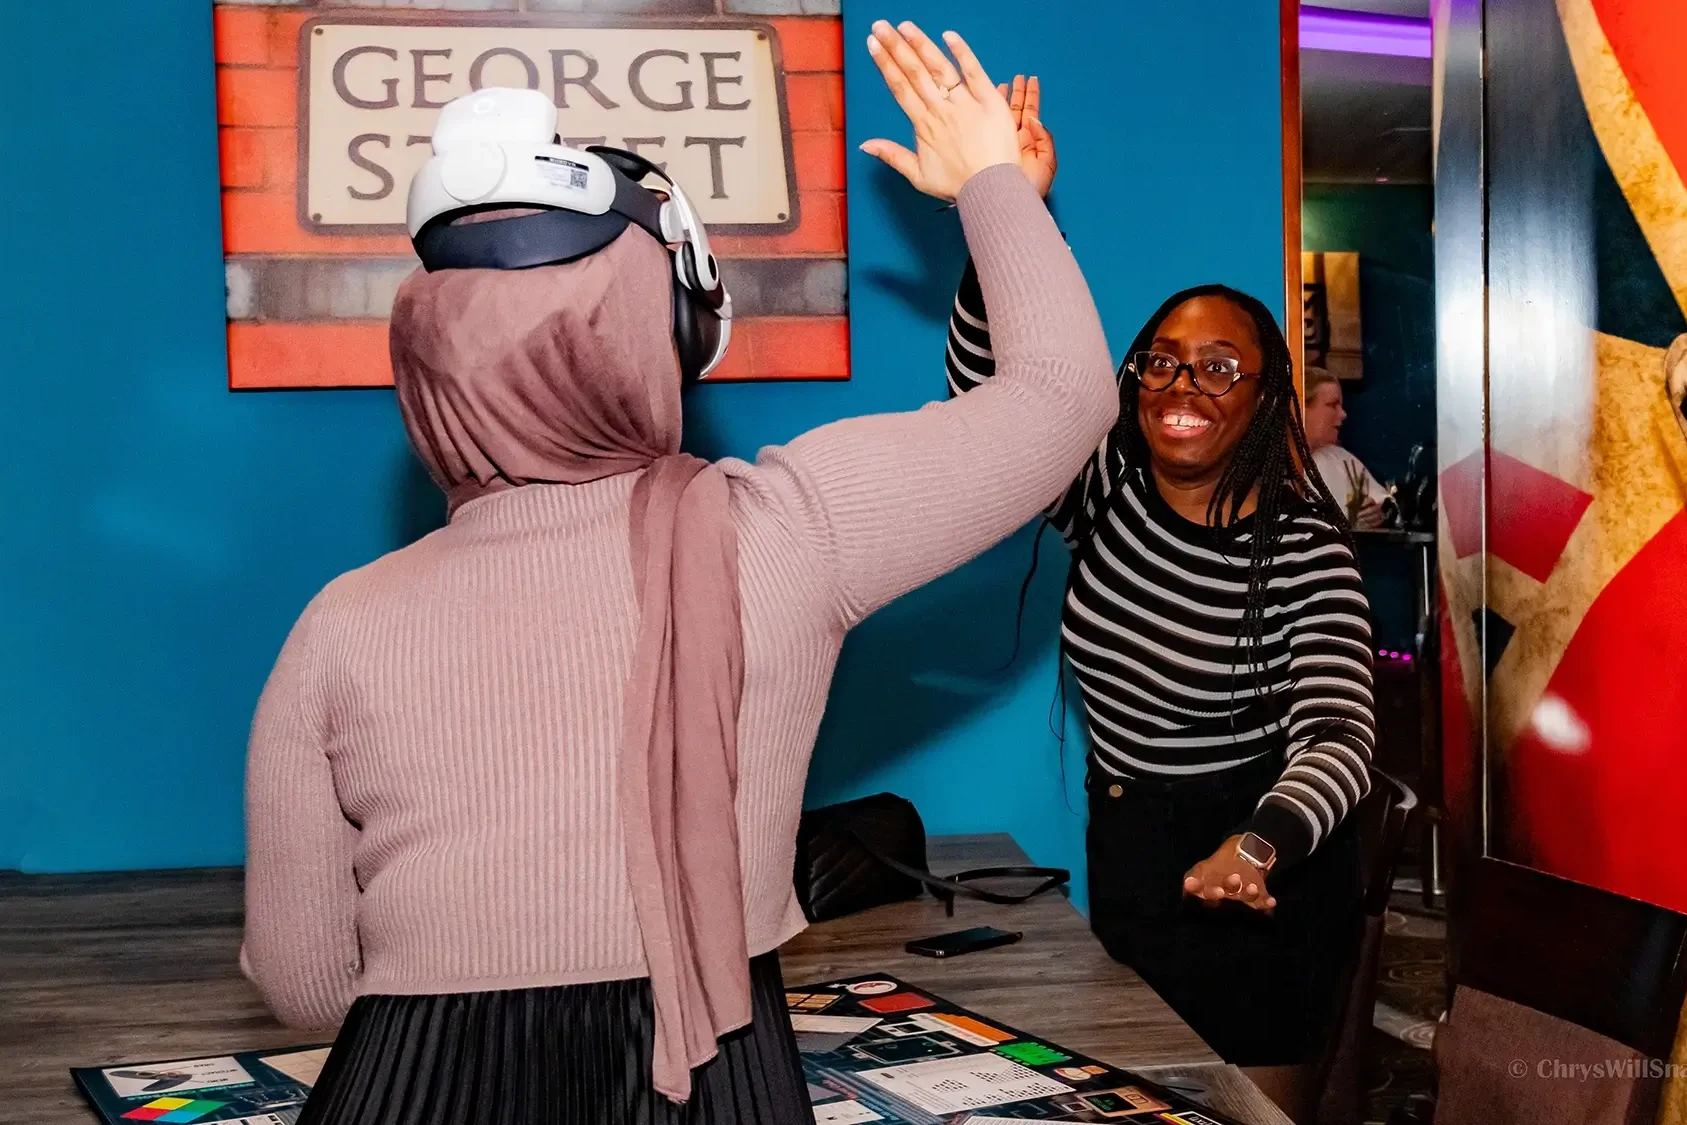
[1262, 991]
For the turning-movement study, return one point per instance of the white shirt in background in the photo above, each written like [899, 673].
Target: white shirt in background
[1335, 464]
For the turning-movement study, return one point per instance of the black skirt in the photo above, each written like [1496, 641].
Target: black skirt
[572, 1055]
[1261, 990]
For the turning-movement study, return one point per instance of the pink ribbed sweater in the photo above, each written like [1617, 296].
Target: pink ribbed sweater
[431, 800]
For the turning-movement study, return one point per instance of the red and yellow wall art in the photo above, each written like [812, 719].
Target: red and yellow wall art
[1566, 586]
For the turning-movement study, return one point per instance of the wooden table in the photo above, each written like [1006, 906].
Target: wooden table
[1057, 983]
[102, 969]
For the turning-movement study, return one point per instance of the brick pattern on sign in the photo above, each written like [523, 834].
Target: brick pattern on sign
[428, 5]
[309, 310]
[353, 353]
[306, 289]
[626, 7]
[303, 290]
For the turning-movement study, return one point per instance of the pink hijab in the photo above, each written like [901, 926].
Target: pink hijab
[566, 375]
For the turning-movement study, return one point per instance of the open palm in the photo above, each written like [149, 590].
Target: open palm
[1036, 144]
[961, 121]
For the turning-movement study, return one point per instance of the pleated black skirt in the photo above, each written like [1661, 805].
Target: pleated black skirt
[571, 1055]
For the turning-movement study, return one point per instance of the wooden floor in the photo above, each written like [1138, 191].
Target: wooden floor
[134, 967]
[118, 968]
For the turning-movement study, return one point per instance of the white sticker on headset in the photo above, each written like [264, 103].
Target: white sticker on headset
[558, 172]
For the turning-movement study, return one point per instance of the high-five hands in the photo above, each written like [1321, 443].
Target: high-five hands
[962, 122]
[1036, 143]
[1225, 876]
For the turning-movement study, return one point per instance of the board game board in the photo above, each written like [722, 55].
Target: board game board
[244, 1088]
[874, 1050]
[877, 1050]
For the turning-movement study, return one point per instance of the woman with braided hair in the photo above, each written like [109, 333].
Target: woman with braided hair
[1215, 623]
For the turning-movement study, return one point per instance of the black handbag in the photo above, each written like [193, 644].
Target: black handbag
[872, 851]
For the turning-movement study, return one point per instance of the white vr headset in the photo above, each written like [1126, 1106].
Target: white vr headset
[498, 149]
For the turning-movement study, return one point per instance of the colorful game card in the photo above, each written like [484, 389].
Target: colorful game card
[832, 1025]
[967, 1082]
[301, 1066]
[844, 1113]
[1033, 1054]
[173, 1109]
[1123, 1102]
[961, 1027]
[190, 1074]
[810, 1001]
[896, 1002]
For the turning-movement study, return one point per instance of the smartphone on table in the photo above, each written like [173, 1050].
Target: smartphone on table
[963, 941]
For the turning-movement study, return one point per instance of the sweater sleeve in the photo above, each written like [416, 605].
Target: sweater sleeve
[301, 946]
[1332, 715]
[970, 363]
[892, 501]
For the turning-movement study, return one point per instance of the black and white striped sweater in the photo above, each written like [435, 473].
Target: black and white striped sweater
[1152, 629]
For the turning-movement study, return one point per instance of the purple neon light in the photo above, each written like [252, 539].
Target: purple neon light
[1363, 33]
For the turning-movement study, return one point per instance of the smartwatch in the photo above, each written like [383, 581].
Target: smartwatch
[1256, 850]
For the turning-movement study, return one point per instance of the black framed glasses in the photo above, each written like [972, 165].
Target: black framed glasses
[1213, 376]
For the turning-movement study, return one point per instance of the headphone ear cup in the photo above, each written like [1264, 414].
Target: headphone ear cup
[686, 258]
[706, 335]
[697, 326]
[686, 337]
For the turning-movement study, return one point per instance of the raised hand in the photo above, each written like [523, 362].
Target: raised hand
[962, 123]
[1036, 144]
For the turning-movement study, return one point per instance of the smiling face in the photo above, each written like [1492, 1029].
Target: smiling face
[1191, 435]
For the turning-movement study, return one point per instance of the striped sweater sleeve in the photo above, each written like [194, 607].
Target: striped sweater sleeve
[970, 363]
[1331, 712]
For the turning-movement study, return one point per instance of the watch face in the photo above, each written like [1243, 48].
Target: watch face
[1255, 850]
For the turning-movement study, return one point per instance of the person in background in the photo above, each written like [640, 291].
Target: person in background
[1361, 495]
[1218, 631]
[468, 747]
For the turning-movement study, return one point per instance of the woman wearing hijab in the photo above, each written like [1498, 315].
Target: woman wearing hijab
[523, 796]
[1217, 628]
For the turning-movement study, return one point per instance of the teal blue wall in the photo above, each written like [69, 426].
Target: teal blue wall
[161, 534]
